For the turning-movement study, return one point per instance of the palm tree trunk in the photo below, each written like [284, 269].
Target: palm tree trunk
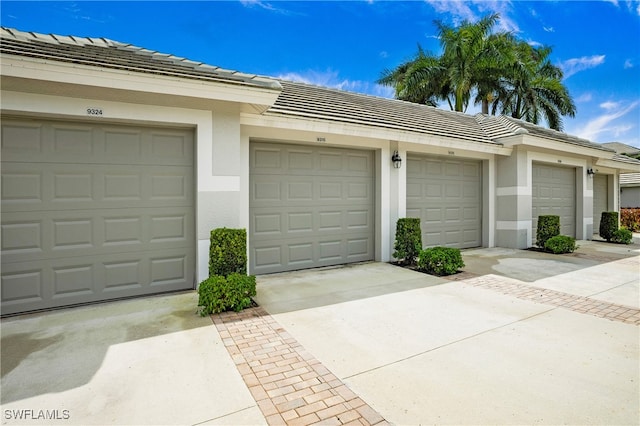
[485, 107]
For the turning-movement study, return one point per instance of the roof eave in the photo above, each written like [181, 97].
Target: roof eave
[323, 125]
[623, 167]
[260, 97]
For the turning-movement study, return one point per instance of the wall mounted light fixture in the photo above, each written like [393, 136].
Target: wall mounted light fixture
[397, 161]
[590, 172]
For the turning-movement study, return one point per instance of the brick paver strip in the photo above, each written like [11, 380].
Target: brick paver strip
[289, 385]
[582, 304]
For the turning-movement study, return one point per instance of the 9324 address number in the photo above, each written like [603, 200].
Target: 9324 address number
[95, 111]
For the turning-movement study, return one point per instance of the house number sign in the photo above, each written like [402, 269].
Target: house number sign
[95, 112]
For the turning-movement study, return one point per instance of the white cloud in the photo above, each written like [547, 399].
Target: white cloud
[549, 29]
[575, 65]
[464, 10]
[384, 54]
[265, 5]
[332, 79]
[609, 105]
[632, 5]
[608, 126]
[585, 97]
[628, 64]
[534, 43]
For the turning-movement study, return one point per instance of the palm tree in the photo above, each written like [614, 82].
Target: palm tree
[533, 89]
[471, 59]
[417, 80]
[513, 77]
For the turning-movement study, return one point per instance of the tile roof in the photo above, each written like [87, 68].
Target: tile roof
[622, 148]
[111, 54]
[309, 101]
[503, 126]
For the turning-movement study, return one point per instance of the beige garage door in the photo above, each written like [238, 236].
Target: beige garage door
[309, 206]
[554, 193]
[600, 200]
[446, 194]
[92, 212]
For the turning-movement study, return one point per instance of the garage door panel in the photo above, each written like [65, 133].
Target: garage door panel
[553, 193]
[38, 187]
[600, 199]
[93, 212]
[310, 206]
[65, 281]
[58, 142]
[35, 236]
[446, 195]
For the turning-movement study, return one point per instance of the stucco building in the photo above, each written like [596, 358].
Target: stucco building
[118, 161]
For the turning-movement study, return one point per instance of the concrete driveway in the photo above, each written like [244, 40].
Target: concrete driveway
[146, 361]
[519, 337]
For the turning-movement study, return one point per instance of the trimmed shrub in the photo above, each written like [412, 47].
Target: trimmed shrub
[548, 226]
[228, 252]
[608, 225]
[219, 294]
[630, 219]
[440, 261]
[622, 236]
[408, 240]
[560, 244]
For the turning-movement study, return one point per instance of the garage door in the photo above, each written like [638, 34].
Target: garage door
[554, 193]
[446, 194]
[600, 197]
[309, 206]
[94, 212]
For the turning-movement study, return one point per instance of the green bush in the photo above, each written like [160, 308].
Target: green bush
[622, 236]
[228, 251]
[233, 292]
[440, 261]
[560, 244]
[548, 226]
[608, 224]
[408, 240]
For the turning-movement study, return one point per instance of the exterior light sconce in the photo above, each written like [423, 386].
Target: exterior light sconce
[397, 161]
[590, 172]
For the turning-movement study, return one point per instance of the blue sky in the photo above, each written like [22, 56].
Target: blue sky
[347, 44]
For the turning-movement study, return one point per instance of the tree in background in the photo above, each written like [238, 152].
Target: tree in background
[501, 71]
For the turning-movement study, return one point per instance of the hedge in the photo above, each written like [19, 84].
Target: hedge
[228, 251]
[608, 225]
[408, 240]
[440, 261]
[548, 226]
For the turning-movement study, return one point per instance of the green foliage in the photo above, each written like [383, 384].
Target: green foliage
[608, 224]
[622, 236]
[228, 251]
[408, 240]
[502, 71]
[548, 226]
[630, 219]
[440, 261]
[233, 292]
[560, 244]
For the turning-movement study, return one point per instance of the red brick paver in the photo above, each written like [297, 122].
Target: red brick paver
[289, 385]
[582, 304]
